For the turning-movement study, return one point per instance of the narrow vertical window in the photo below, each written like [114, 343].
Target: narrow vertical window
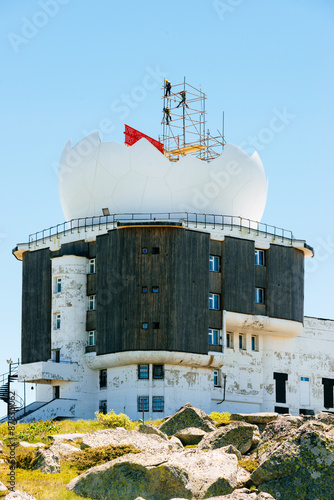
[103, 379]
[280, 389]
[255, 343]
[92, 266]
[216, 379]
[158, 372]
[214, 301]
[92, 337]
[158, 403]
[143, 372]
[103, 406]
[229, 340]
[56, 321]
[213, 336]
[142, 400]
[259, 257]
[259, 295]
[214, 263]
[242, 342]
[328, 384]
[92, 303]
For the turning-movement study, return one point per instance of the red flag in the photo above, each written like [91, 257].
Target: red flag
[132, 136]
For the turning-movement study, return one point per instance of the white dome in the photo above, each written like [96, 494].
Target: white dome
[95, 175]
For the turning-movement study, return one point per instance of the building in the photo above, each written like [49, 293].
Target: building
[125, 306]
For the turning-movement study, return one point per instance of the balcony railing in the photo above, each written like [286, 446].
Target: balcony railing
[212, 221]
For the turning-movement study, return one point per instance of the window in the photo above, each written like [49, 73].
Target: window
[156, 326]
[92, 337]
[242, 341]
[158, 403]
[259, 257]
[57, 285]
[304, 391]
[143, 372]
[103, 379]
[92, 303]
[56, 321]
[144, 250]
[92, 266]
[103, 406]
[259, 295]
[216, 378]
[229, 340]
[144, 326]
[328, 384]
[158, 372]
[213, 337]
[280, 390]
[255, 343]
[144, 289]
[214, 263]
[155, 250]
[142, 401]
[214, 301]
[56, 355]
[56, 391]
[155, 289]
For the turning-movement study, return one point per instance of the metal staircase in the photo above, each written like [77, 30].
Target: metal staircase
[5, 392]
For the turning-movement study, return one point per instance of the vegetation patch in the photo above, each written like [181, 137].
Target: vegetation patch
[111, 420]
[250, 464]
[90, 457]
[220, 418]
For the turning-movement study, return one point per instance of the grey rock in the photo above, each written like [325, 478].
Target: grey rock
[71, 436]
[62, 449]
[261, 418]
[25, 444]
[187, 416]
[120, 436]
[152, 429]
[244, 494]
[240, 434]
[231, 449]
[176, 443]
[190, 435]
[160, 476]
[19, 495]
[47, 462]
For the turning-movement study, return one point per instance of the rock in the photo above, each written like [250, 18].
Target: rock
[47, 462]
[19, 495]
[326, 418]
[187, 416]
[120, 436]
[2, 487]
[231, 449]
[160, 476]
[72, 436]
[255, 418]
[244, 494]
[63, 449]
[301, 466]
[151, 429]
[243, 478]
[176, 443]
[25, 444]
[190, 435]
[239, 434]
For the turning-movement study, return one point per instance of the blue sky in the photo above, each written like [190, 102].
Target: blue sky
[68, 65]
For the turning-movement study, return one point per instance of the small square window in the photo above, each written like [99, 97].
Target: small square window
[259, 257]
[242, 342]
[259, 295]
[214, 301]
[155, 289]
[255, 343]
[144, 289]
[142, 401]
[158, 403]
[158, 372]
[156, 326]
[92, 303]
[155, 250]
[143, 372]
[92, 337]
[144, 326]
[144, 250]
[229, 340]
[103, 379]
[213, 337]
[103, 406]
[214, 263]
[92, 266]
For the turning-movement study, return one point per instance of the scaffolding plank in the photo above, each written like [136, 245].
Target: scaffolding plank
[186, 149]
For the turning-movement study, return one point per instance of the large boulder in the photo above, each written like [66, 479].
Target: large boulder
[152, 429]
[160, 476]
[190, 435]
[47, 462]
[255, 418]
[19, 495]
[119, 436]
[244, 494]
[62, 449]
[187, 416]
[299, 465]
[240, 434]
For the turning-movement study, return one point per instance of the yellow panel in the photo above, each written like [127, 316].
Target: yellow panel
[186, 150]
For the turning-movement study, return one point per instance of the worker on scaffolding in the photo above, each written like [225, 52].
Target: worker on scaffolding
[168, 87]
[183, 99]
[168, 117]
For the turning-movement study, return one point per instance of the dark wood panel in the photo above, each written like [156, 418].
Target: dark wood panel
[79, 248]
[92, 249]
[261, 276]
[261, 309]
[91, 284]
[238, 275]
[215, 282]
[285, 283]
[180, 270]
[36, 307]
[215, 319]
[90, 320]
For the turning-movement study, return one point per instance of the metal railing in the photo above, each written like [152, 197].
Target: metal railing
[213, 221]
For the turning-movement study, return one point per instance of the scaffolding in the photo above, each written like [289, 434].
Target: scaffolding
[184, 124]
